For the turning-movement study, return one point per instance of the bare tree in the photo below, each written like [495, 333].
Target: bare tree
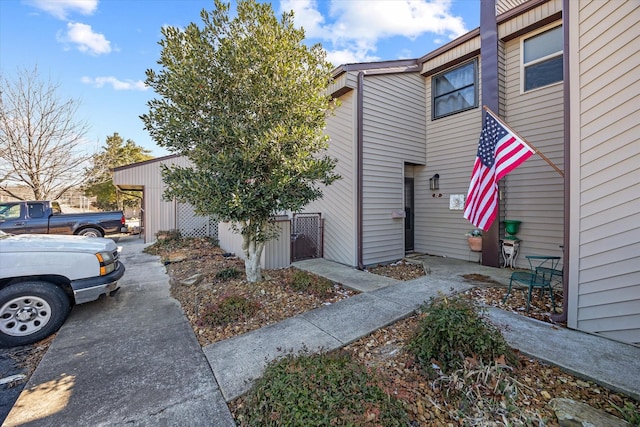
[40, 140]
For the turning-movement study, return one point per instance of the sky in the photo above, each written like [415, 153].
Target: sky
[97, 51]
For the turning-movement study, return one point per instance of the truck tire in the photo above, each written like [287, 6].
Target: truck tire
[90, 232]
[30, 312]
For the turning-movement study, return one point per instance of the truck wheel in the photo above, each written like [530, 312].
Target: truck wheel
[90, 232]
[30, 312]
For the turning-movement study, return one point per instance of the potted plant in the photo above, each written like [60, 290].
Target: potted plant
[474, 239]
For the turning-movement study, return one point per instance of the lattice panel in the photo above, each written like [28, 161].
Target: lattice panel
[192, 225]
[307, 236]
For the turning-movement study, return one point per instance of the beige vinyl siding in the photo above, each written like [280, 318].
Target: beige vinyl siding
[393, 134]
[605, 275]
[459, 51]
[503, 6]
[452, 143]
[338, 205]
[530, 18]
[534, 192]
[342, 83]
[158, 214]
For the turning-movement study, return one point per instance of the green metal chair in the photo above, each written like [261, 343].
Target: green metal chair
[556, 278]
[540, 275]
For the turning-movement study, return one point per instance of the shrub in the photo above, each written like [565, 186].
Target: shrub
[229, 309]
[454, 329]
[228, 273]
[319, 390]
[301, 281]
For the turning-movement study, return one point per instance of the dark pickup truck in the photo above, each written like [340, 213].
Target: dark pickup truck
[44, 217]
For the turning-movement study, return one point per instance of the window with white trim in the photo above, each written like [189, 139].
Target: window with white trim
[455, 90]
[542, 61]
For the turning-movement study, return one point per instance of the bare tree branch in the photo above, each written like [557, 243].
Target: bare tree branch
[40, 140]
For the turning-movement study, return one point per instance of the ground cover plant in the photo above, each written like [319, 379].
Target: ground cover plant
[453, 331]
[329, 389]
[473, 393]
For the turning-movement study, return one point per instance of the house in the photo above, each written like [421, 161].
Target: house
[561, 73]
[401, 123]
[145, 180]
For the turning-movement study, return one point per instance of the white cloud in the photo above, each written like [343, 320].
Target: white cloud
[352, 29]
[85, 39]
[115, 83]
[61, 8]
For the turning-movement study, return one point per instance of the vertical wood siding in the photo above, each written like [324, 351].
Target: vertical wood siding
[276, 253]
[608, 282]
[158, 214]
[394, 134]
[338, 205]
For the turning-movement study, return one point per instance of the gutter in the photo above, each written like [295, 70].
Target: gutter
[359, 166]
[562, 317]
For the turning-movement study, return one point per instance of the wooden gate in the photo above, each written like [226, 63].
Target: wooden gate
[306, 236]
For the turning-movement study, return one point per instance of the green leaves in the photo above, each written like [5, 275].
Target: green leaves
[245, 100]
[116, 152]
[452, 330]
[320, 390]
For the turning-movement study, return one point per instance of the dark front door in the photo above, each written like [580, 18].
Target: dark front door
[409, 214]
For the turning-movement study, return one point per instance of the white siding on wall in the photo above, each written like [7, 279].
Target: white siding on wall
[276, 253]
[338, 205]
[394, 134]
[605, 178]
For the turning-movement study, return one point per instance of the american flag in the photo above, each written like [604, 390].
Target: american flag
[499, 152]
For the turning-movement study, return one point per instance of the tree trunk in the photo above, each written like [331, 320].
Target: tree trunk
[252, 254]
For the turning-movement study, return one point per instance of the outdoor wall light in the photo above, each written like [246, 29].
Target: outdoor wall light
[434, 182]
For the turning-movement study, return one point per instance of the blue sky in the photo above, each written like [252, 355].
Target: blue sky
[98, 51]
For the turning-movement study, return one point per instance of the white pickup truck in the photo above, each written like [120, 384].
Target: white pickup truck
[43, 276]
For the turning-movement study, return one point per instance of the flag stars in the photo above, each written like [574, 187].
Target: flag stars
[491, 134]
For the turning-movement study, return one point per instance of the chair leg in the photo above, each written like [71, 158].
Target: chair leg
[553, 303]
[529, 298]
[508, 292]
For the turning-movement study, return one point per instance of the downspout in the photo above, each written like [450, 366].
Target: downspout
[490, 90]
[359, 165]
[562, 317]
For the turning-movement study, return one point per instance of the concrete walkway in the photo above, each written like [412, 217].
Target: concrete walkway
[237, 362]
[133, 359]
[127, 360]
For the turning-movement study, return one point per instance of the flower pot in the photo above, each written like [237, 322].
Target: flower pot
[511, 226]
[475, 243]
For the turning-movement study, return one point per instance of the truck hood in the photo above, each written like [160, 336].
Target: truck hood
[48, 242]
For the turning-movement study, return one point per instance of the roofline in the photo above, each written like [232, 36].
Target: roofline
[394, 66]
[144, 162]
[503, 17]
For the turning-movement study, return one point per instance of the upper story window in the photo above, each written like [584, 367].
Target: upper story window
[455, 90]
[542, 58]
